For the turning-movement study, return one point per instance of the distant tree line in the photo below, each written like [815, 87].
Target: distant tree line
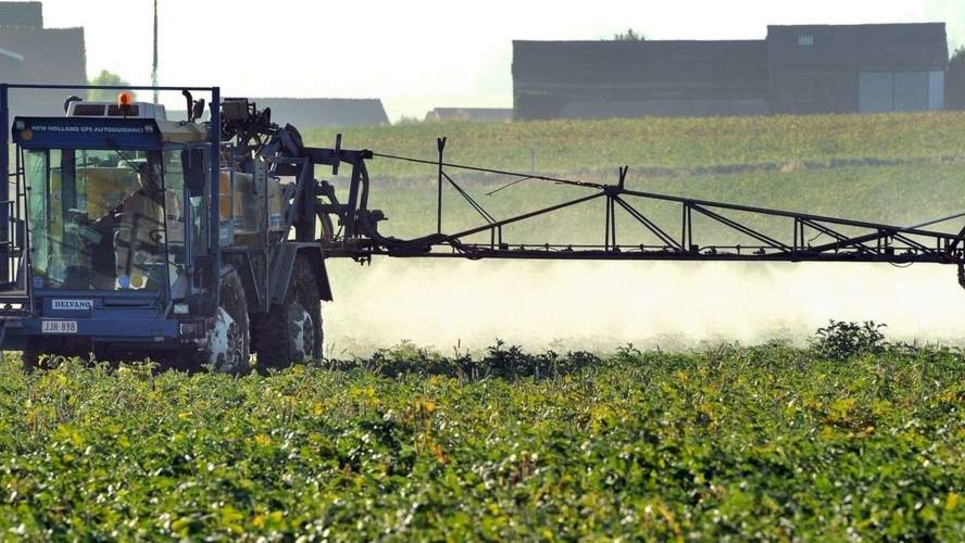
[955, 81]
[629, 35]
[106, 78]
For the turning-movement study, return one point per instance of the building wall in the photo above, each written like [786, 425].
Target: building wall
[321, 112]
[857, 68]
[51, 56]
[810, 69]
[549, 101]
[11, 68]
[936, 90]
[804, 92]
[535, 105]
[667, 107]
[601, 79]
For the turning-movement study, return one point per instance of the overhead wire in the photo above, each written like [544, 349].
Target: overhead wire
[559, 180]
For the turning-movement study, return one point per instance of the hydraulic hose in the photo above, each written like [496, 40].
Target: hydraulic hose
[396, 245]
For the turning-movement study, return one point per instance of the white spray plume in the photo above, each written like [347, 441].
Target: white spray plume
[600, 306]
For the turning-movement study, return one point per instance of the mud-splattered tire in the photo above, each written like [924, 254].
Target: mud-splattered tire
[43, 352]
[291, 333]
[232, 353]
[30, 358]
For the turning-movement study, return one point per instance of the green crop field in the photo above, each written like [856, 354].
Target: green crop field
[846, 439]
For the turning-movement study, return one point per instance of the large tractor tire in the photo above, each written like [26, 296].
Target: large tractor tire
[49, 348]
[31, 356]
[291, 333]
[229, 341]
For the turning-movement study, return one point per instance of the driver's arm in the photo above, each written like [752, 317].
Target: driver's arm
[108, 218]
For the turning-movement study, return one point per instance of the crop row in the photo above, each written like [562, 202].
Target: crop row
[769, 442]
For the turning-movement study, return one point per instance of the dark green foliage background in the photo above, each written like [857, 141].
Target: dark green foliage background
[768, 442]
[955, 81]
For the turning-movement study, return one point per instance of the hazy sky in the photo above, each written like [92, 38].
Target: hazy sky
[415, 54]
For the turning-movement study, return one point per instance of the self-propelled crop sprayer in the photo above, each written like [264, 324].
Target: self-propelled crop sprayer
[199, 242]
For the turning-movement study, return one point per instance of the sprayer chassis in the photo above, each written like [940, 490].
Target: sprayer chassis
[349, 229]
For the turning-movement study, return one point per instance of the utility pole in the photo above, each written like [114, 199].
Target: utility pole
[154, 70]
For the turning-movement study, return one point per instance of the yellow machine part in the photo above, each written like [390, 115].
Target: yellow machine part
[224, 202]
[182, 132]
[55, 203]
[237, 203]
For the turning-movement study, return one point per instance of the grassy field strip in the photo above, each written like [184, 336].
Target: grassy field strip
[609, 175]
[664, 143]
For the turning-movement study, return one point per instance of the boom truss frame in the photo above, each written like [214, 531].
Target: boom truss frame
[847, 240]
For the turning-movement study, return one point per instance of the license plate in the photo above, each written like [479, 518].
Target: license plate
[59, 327]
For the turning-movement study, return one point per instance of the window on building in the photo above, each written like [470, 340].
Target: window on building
[805, 40]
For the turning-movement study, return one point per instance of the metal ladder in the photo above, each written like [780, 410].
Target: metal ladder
[13, 286]
[14, 246]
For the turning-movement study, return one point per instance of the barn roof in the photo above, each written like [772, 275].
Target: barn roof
[28, 14]
[54, 56]
[318, 112]
[11, 64]
[635, 63]
[884, 46]
[13, 55]
[50, 55]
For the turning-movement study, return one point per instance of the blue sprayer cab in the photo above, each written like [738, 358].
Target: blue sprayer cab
[129, 235]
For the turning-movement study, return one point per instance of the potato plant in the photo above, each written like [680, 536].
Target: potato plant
[770, 442]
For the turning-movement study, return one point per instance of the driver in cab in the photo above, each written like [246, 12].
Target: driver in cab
[136, 223]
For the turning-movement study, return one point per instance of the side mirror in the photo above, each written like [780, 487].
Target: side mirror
[70, 100]
[187, 98]
[197, 110]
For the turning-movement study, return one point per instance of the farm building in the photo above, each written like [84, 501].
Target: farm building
[601, 79]
[478, 114]
[30, 53]
[796, 69]
[865, 68]
[320, 112]
[26, 14]
[11, 65]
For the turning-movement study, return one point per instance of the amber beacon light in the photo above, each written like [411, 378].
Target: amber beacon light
[124, 101]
